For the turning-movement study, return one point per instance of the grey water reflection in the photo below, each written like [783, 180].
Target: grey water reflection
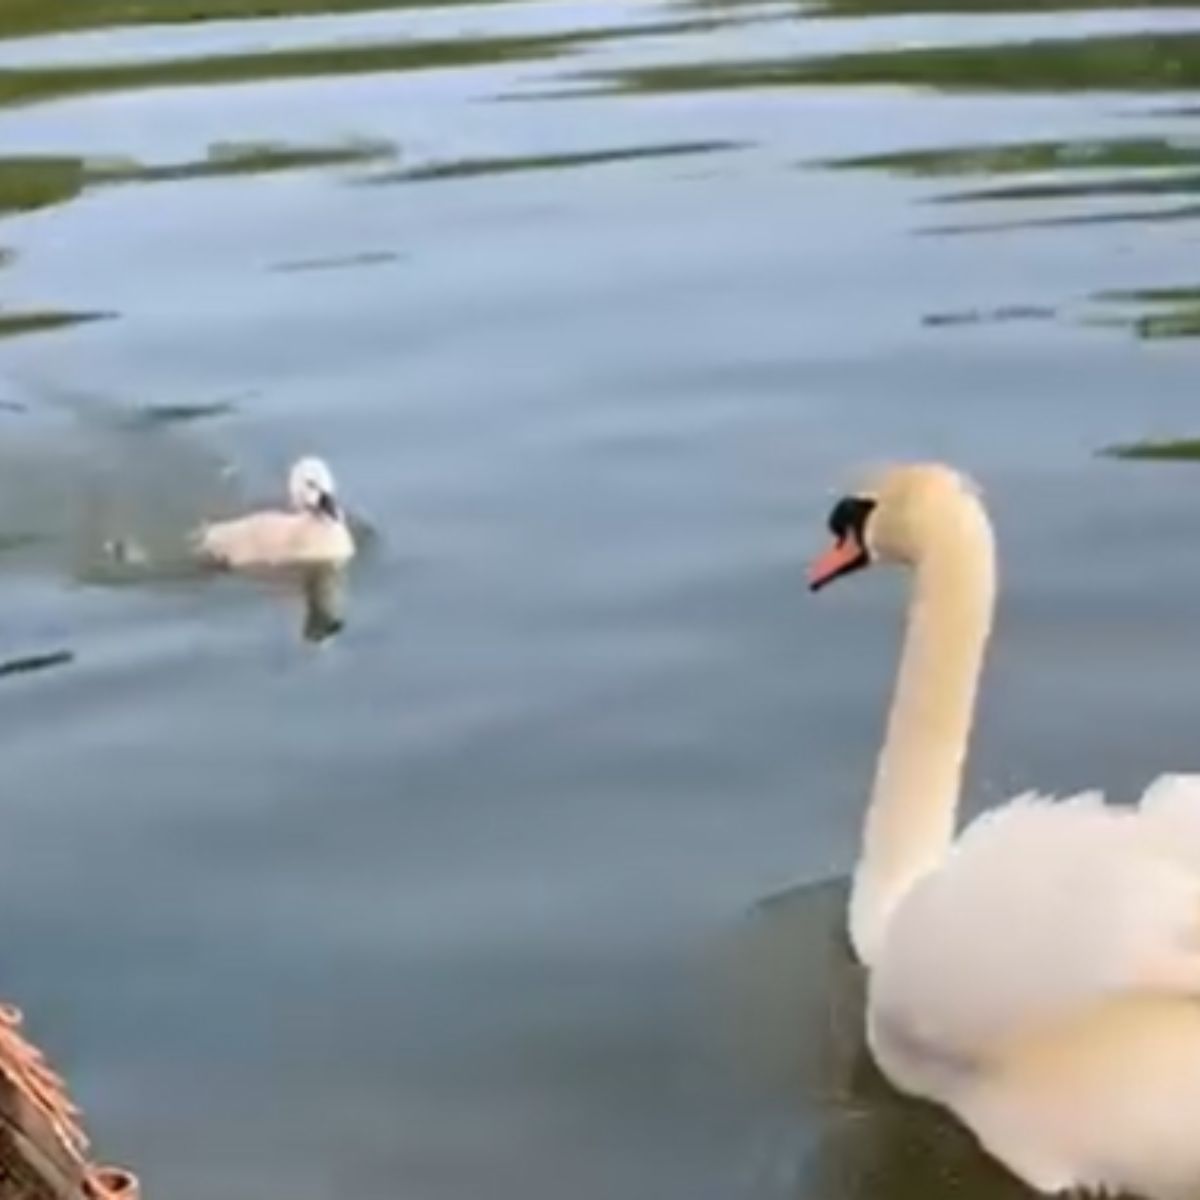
[36, 662]
[324, 603]
[97, 491]
[797, 999]
[593, 307]
[318, 593]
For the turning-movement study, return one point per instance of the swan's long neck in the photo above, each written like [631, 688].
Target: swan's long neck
[911, 819]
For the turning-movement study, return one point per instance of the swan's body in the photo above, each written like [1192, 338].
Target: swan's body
[312, 533]
[1040, 976]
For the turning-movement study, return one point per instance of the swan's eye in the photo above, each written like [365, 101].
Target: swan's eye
[849, 516]
[847, 523]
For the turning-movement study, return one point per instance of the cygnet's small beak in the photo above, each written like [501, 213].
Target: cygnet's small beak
[327, 505]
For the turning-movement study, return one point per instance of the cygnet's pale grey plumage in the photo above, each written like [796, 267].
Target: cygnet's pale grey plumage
[312, 532]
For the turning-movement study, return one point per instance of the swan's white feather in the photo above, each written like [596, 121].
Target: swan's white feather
[1040, 976]
[312, 533]
[1045, 983]
[1042, 909]
[1172, 803]
[273, 539]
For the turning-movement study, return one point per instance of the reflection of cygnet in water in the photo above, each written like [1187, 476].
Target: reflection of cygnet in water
[312, 533]
[323, 602]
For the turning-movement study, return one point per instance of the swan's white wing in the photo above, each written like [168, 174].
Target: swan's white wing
[1172, 805]
[264, 537]
[275, 539]
[1044, 909]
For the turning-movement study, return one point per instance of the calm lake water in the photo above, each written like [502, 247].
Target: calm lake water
[592, 308]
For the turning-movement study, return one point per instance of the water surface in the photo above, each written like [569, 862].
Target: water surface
[593, 308]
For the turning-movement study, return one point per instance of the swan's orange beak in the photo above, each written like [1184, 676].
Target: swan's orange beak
[841, 558]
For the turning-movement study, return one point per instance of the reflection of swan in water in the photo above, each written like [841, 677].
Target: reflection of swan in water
[827, 1126]
[1040, 977]
[324, 602]
[314, 531]
[320, 591]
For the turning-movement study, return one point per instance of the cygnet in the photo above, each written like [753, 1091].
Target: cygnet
[313, 532]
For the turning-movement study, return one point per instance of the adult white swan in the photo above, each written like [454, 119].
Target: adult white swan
[1040, 975]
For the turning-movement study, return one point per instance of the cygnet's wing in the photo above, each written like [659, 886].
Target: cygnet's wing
[261, 539]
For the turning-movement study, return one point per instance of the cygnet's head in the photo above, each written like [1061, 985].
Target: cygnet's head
[894, 518]
[311, 488]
